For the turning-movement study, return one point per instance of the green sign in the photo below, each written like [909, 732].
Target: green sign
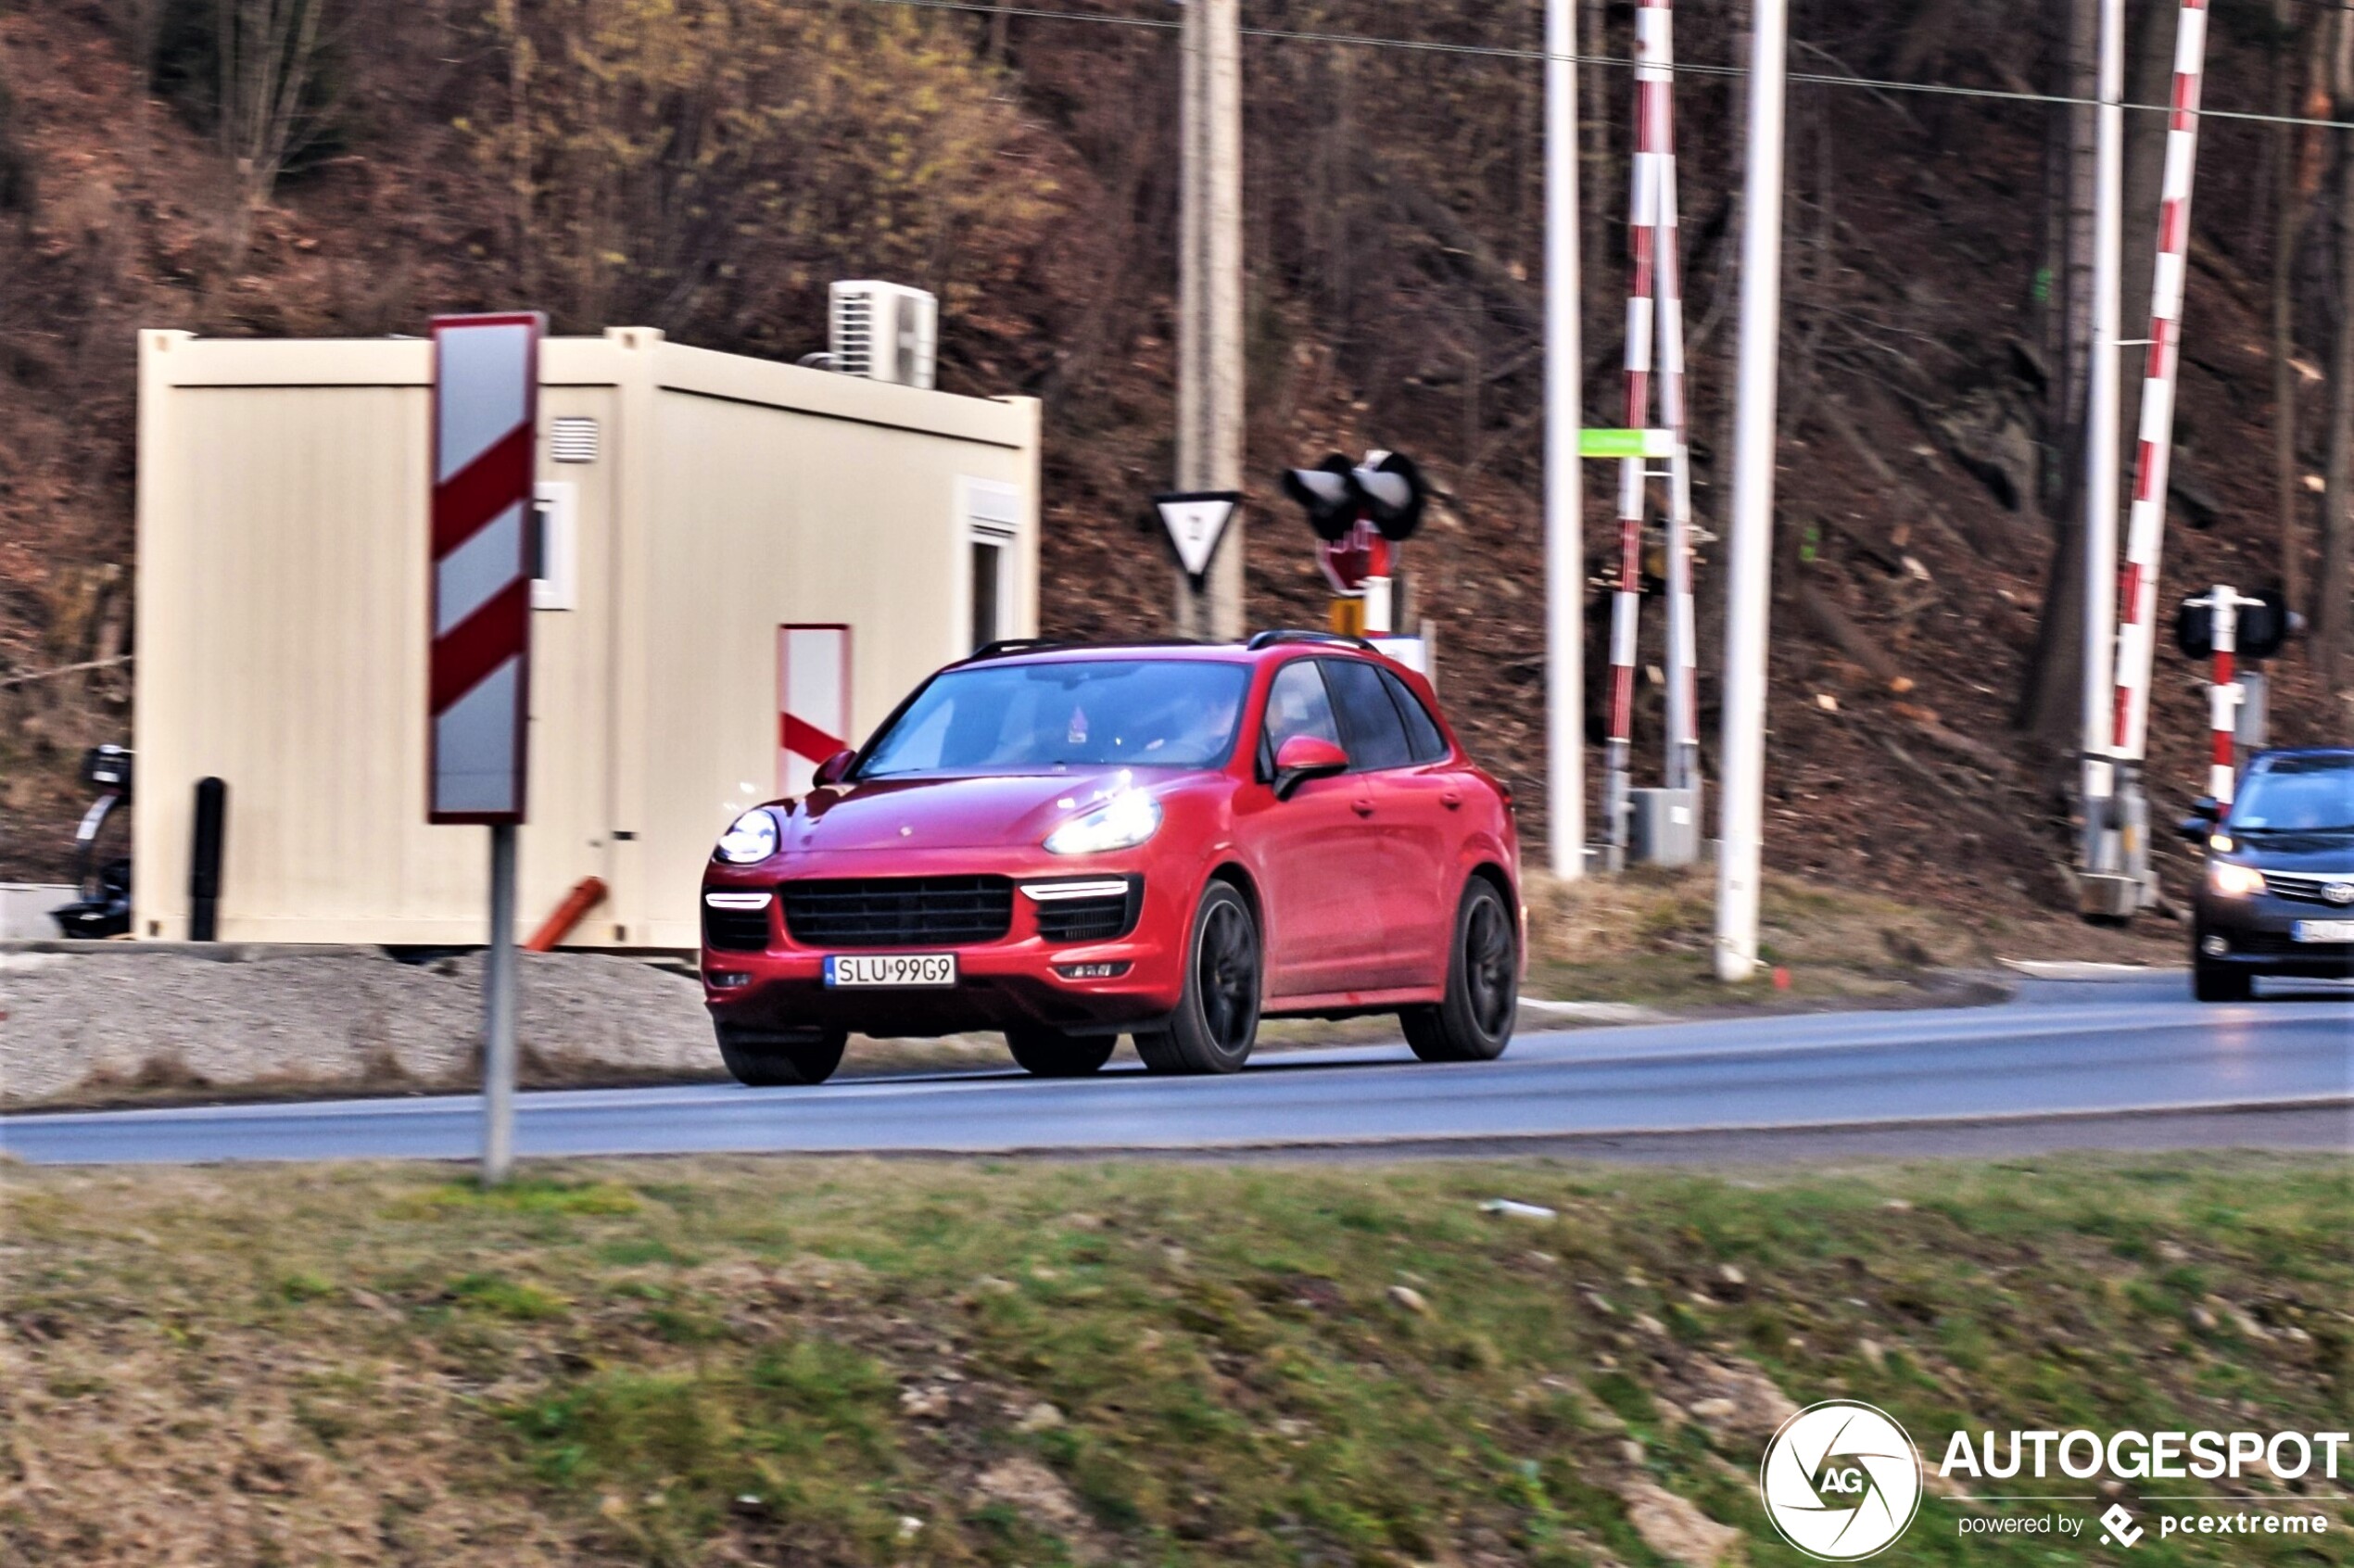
[1625, 443]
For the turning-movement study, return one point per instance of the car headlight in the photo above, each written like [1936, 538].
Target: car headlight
[2234, 880]
[749, 839]
[1121, 823]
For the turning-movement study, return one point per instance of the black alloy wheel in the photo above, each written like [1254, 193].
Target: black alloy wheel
[1217, 1019]
[1473, 1021]
[1050, 1053]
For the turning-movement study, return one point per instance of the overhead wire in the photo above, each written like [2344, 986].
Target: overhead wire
[1682, 68]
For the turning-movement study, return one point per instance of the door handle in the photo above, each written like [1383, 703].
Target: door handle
[1450, 800]
[1362, 808]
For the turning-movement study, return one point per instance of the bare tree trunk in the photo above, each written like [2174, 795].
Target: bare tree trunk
[1598, 100]
[2288, 207]
[2332, 592]
[266, 49]
[2073, 286]
[2050, 686]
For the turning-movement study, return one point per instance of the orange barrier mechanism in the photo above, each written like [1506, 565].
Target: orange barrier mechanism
[585, 894]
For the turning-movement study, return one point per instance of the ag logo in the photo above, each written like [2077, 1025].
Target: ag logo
[1841, 1480]
[2339, 892]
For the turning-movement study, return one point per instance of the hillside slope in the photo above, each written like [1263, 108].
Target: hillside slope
[1394, 207]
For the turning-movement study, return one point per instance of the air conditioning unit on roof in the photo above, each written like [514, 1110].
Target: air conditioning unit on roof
[884, 332]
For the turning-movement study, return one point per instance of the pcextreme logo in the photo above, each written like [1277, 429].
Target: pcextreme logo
[1841, 1480]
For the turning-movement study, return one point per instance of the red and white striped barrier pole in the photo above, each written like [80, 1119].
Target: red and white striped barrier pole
[2137, 579]
[1655, 55]
[1652, 76]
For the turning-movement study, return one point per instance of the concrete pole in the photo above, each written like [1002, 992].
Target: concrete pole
[1210, 301]
[1750, 547]
[1191, 274]
[1564, 477]
[498, 1013]
[2100, 441]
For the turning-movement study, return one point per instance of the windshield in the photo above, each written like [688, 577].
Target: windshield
[2298, 795]
[1052, 718]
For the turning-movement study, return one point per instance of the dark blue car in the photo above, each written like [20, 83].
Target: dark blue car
[2277, 894]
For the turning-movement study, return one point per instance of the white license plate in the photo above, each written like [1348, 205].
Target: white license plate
[2323, 930]
[845, 970]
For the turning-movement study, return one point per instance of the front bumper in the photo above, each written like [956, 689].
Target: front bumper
[2257, 934]
[1012, 981]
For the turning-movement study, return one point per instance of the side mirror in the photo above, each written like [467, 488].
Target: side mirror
[1304, 757]
[2206, 812]
[834, 769]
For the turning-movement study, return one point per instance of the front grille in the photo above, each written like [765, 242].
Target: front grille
[735, 930]
[1091, 919]
[899, 911]
[2303, 888]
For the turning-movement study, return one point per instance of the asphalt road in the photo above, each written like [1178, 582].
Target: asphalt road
[2119, 1064]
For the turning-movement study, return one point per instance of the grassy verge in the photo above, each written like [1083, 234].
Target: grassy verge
[727, 1361]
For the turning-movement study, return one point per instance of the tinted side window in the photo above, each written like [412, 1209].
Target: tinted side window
[1423, 739]
[1296, 705]
[1376, 736]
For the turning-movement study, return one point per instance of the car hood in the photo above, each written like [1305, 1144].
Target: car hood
[2315, 853]
[944, 813]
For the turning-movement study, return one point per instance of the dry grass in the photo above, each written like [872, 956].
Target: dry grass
[727, 1361]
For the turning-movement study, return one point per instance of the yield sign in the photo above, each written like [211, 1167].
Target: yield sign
[1196, 521]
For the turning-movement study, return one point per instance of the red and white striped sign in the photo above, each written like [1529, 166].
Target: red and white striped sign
[2137, 577]
[2224, 692]
[813, 701]
[485, 413]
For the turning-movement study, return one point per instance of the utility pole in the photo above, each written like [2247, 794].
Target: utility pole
[1749, 549]
[1210, 300]
[2101, 849]
[1564, 478]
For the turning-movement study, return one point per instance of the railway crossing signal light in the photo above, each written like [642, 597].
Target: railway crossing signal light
[1394, 493]
[1386, 491]
[1325, 494]
[2264, 620]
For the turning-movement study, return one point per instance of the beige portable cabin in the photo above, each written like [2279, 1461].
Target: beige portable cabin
[694, 506]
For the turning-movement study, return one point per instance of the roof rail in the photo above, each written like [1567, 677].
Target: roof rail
[1006, 645]
[1295, 634]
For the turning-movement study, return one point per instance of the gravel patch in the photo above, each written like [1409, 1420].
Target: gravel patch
[78, 1024]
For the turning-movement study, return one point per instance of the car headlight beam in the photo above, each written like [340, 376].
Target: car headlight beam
[2233, 881]
[1123, 822]
[751, 839]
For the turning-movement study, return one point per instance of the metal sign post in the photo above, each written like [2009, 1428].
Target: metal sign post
[1564, 542]
[479, 713]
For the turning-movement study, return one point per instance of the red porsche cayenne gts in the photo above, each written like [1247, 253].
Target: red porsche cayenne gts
[1071, 844]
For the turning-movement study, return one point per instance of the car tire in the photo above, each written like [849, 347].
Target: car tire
[1217, 1018]
[2214, 982]
[1473, 1022]
[762, 1060]
[1049, 1053]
